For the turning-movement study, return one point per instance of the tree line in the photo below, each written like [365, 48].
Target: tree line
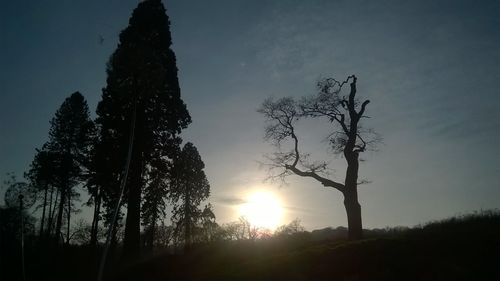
[132, 163]
[131, 151]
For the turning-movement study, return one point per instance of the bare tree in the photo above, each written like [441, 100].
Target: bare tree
[346, 137]
[250, 232]
[289, 229]
[239, 230]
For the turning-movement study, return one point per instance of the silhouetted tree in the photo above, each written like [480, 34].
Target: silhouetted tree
[103, 184]
[163, 235]
[69, 143]
[81, 232]
[189, 187]
[247, 230]
[53, 203]
[41, 177]
[238, 230]
[208, 225]
[143, 94]
[232, 231]
[291, 228]
[346, 137]
[154, 204]
[96, 183]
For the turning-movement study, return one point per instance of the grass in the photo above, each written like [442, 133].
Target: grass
[459, 248]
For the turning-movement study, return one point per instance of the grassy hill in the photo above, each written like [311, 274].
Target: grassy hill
[460, 248]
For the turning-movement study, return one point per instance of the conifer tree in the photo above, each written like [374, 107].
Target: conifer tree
[142, 95]
[189, 188]
[69, 143]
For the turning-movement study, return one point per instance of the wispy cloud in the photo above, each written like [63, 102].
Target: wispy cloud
[230, 200]
[299, 210]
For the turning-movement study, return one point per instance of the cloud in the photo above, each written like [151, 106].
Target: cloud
[235, 200]
[298, 210]
[230, 200]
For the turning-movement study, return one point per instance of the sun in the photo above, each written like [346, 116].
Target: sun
[262, 209]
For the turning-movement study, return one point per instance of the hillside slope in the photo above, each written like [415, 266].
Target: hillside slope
[466, 248]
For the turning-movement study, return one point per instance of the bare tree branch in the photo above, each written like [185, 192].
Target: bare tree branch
[341, 121]
[364, 181]
[363, 106]
[281, 116]
[362, 146]
[324, 181]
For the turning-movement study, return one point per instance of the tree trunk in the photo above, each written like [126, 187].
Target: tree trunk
[132, 242]
[49, 217]
[52, 211]
[60, 213]
[152, 230]
[43, 211]
[132, 239]
[69, 218]
[353, 210]
[95, 220]
[187, 219]
[352, 206]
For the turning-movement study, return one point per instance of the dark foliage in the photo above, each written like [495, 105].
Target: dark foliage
[41, 176]
[458, 248]
[10, 240]
[69, 146]
[189, 188]
[143, 93]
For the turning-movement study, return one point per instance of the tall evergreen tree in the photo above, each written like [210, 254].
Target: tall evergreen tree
[189, 188]
[142, 95]
[69, 143]
[103, 182]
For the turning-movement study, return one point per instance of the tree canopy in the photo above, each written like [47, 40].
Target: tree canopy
[142, 95]
[189, 188]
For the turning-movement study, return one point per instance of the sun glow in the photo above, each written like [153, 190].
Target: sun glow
[262, 209]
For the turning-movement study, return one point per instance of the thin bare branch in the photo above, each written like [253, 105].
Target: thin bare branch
[360, 147]
[363, 106]
[364, 181]
[341, 121]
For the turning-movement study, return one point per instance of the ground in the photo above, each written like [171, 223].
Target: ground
[465, 248]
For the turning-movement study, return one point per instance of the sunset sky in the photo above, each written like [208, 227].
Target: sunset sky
[430, 68]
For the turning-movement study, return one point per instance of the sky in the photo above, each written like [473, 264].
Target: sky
[430, 69]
